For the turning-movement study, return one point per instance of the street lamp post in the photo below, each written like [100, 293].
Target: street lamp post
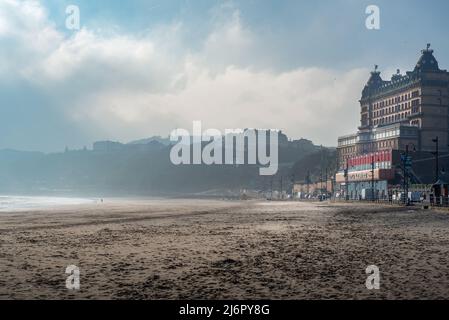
[347, 180]
[293, 185]
[282, 192]
[332, 180]
[326, 179]
[437, 155]
[372, 178]
[406, 178]
[405, 175]
[308, 183]
[406, 164]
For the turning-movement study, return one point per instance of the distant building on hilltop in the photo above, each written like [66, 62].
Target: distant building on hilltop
[111, 146]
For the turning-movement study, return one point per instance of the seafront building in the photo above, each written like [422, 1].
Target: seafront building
[402, 123]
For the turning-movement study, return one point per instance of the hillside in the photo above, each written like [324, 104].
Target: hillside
[139, 168]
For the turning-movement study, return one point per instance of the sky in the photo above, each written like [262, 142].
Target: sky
[140, 68]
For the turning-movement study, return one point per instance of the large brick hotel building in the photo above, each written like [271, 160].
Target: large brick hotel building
[407, 112]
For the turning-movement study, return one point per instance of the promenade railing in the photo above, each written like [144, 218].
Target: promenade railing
[442, 201]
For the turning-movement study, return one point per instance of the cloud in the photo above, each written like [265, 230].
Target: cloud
[26, 36]
[126, 86]
[305, 103]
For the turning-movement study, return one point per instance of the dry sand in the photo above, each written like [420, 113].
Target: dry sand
[198, 249]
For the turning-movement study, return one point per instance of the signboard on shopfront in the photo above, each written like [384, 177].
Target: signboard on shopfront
[366, 175]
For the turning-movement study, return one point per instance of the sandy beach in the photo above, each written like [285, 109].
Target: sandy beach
[207, 249]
